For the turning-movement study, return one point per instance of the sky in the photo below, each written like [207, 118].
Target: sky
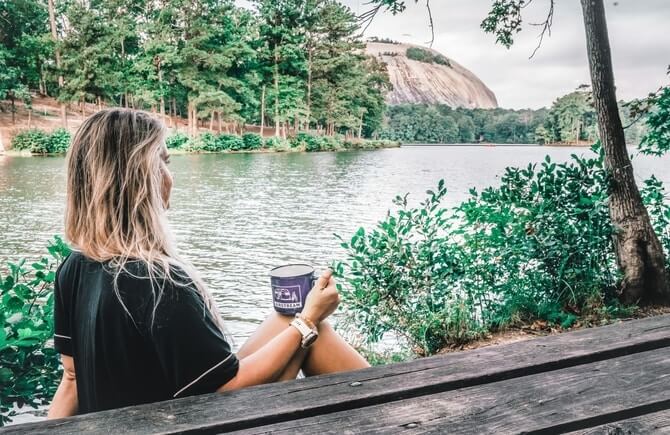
[638, 31]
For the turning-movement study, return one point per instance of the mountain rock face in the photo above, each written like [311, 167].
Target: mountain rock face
[424, 82]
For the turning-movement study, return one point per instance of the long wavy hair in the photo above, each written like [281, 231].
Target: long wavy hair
[116, 203]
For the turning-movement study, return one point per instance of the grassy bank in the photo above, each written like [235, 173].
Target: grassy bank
[39, 142]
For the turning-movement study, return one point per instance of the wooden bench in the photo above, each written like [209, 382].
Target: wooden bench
[612, 379]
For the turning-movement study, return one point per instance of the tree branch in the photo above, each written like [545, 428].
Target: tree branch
[546, 25]
[432, 27]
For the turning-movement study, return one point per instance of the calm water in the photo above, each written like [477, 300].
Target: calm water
[237, 216]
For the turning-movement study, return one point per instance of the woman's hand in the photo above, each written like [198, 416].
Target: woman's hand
[323, 299]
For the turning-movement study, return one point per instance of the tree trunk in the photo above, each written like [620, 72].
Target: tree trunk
[276, 84]
[308, 115]
[639, 252]
[262, 109]
[160, 85]
[360, 126]
[190, 119]
[13, 109]
[61, 81]
[30, 118]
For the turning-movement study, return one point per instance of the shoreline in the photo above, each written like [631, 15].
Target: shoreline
[178, 151]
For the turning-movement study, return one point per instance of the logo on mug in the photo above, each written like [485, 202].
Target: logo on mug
[288, 297]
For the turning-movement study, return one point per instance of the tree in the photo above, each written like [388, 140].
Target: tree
[639, 252]
[282, 57]
[638, 248]
[466, 130]
[57, 57]
[23, 52]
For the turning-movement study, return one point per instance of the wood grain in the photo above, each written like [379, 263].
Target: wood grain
[654, 423]
[267, 404]
[546, 403]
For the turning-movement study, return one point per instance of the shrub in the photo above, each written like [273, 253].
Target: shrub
[426, 56]
[277, 143]
[176, 140]
[208, 142]
[59, 141]
[656, 201]
[29, 368]
[229, 142]
[35, 140]
[307, 142]
[252, 141]
[536, 247]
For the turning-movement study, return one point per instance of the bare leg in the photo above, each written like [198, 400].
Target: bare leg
[329, 353]
[274, 324]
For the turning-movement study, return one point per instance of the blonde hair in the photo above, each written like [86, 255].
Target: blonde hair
[115, 211]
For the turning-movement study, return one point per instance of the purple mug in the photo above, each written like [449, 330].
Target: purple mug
[290, 285]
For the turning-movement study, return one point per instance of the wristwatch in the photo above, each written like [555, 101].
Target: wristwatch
[307, 330]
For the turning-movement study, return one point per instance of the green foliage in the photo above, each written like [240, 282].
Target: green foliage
[657, 140]
[442, 124]
[571, 119]
[656, 200]
[277, 144]
[309, 142]
[40, 142]
[427, 56]
[504, 20]
[29, 366]
[252, 141]
[176, 141]
[229, 142]
[35, 141]
[536, 247]
[59, 141]
[211, 60]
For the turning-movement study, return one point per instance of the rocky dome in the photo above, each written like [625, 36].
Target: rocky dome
[439, 80]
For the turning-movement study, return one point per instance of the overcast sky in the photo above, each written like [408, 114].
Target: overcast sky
[639, 35]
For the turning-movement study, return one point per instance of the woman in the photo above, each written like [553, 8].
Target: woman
[134, 323]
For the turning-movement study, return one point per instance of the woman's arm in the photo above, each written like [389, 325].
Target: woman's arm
[64, 403]
[270, 361]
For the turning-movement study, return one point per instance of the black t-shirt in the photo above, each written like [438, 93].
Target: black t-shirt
[134, 354]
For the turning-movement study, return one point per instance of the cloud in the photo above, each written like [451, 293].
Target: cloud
[638, 35]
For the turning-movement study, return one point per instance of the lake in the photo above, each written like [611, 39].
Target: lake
[236, 216]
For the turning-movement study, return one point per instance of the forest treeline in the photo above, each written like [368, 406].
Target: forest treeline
[293, 63]
[570, 120]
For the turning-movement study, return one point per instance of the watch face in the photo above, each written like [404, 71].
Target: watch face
[308, 340]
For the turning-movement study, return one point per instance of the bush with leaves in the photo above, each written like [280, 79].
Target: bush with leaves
[59, 141]
[176, 141]
[252, 141]
[40, 142]
[536, 247]
[29, 366]
[35, 140]
[655, 199]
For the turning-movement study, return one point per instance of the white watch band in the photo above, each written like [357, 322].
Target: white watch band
[301, 327]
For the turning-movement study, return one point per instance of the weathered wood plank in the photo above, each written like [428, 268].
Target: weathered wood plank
[324, 394]
[551, 402]
[654, 423]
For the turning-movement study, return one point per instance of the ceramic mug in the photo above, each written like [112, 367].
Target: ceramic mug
[290, 285]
